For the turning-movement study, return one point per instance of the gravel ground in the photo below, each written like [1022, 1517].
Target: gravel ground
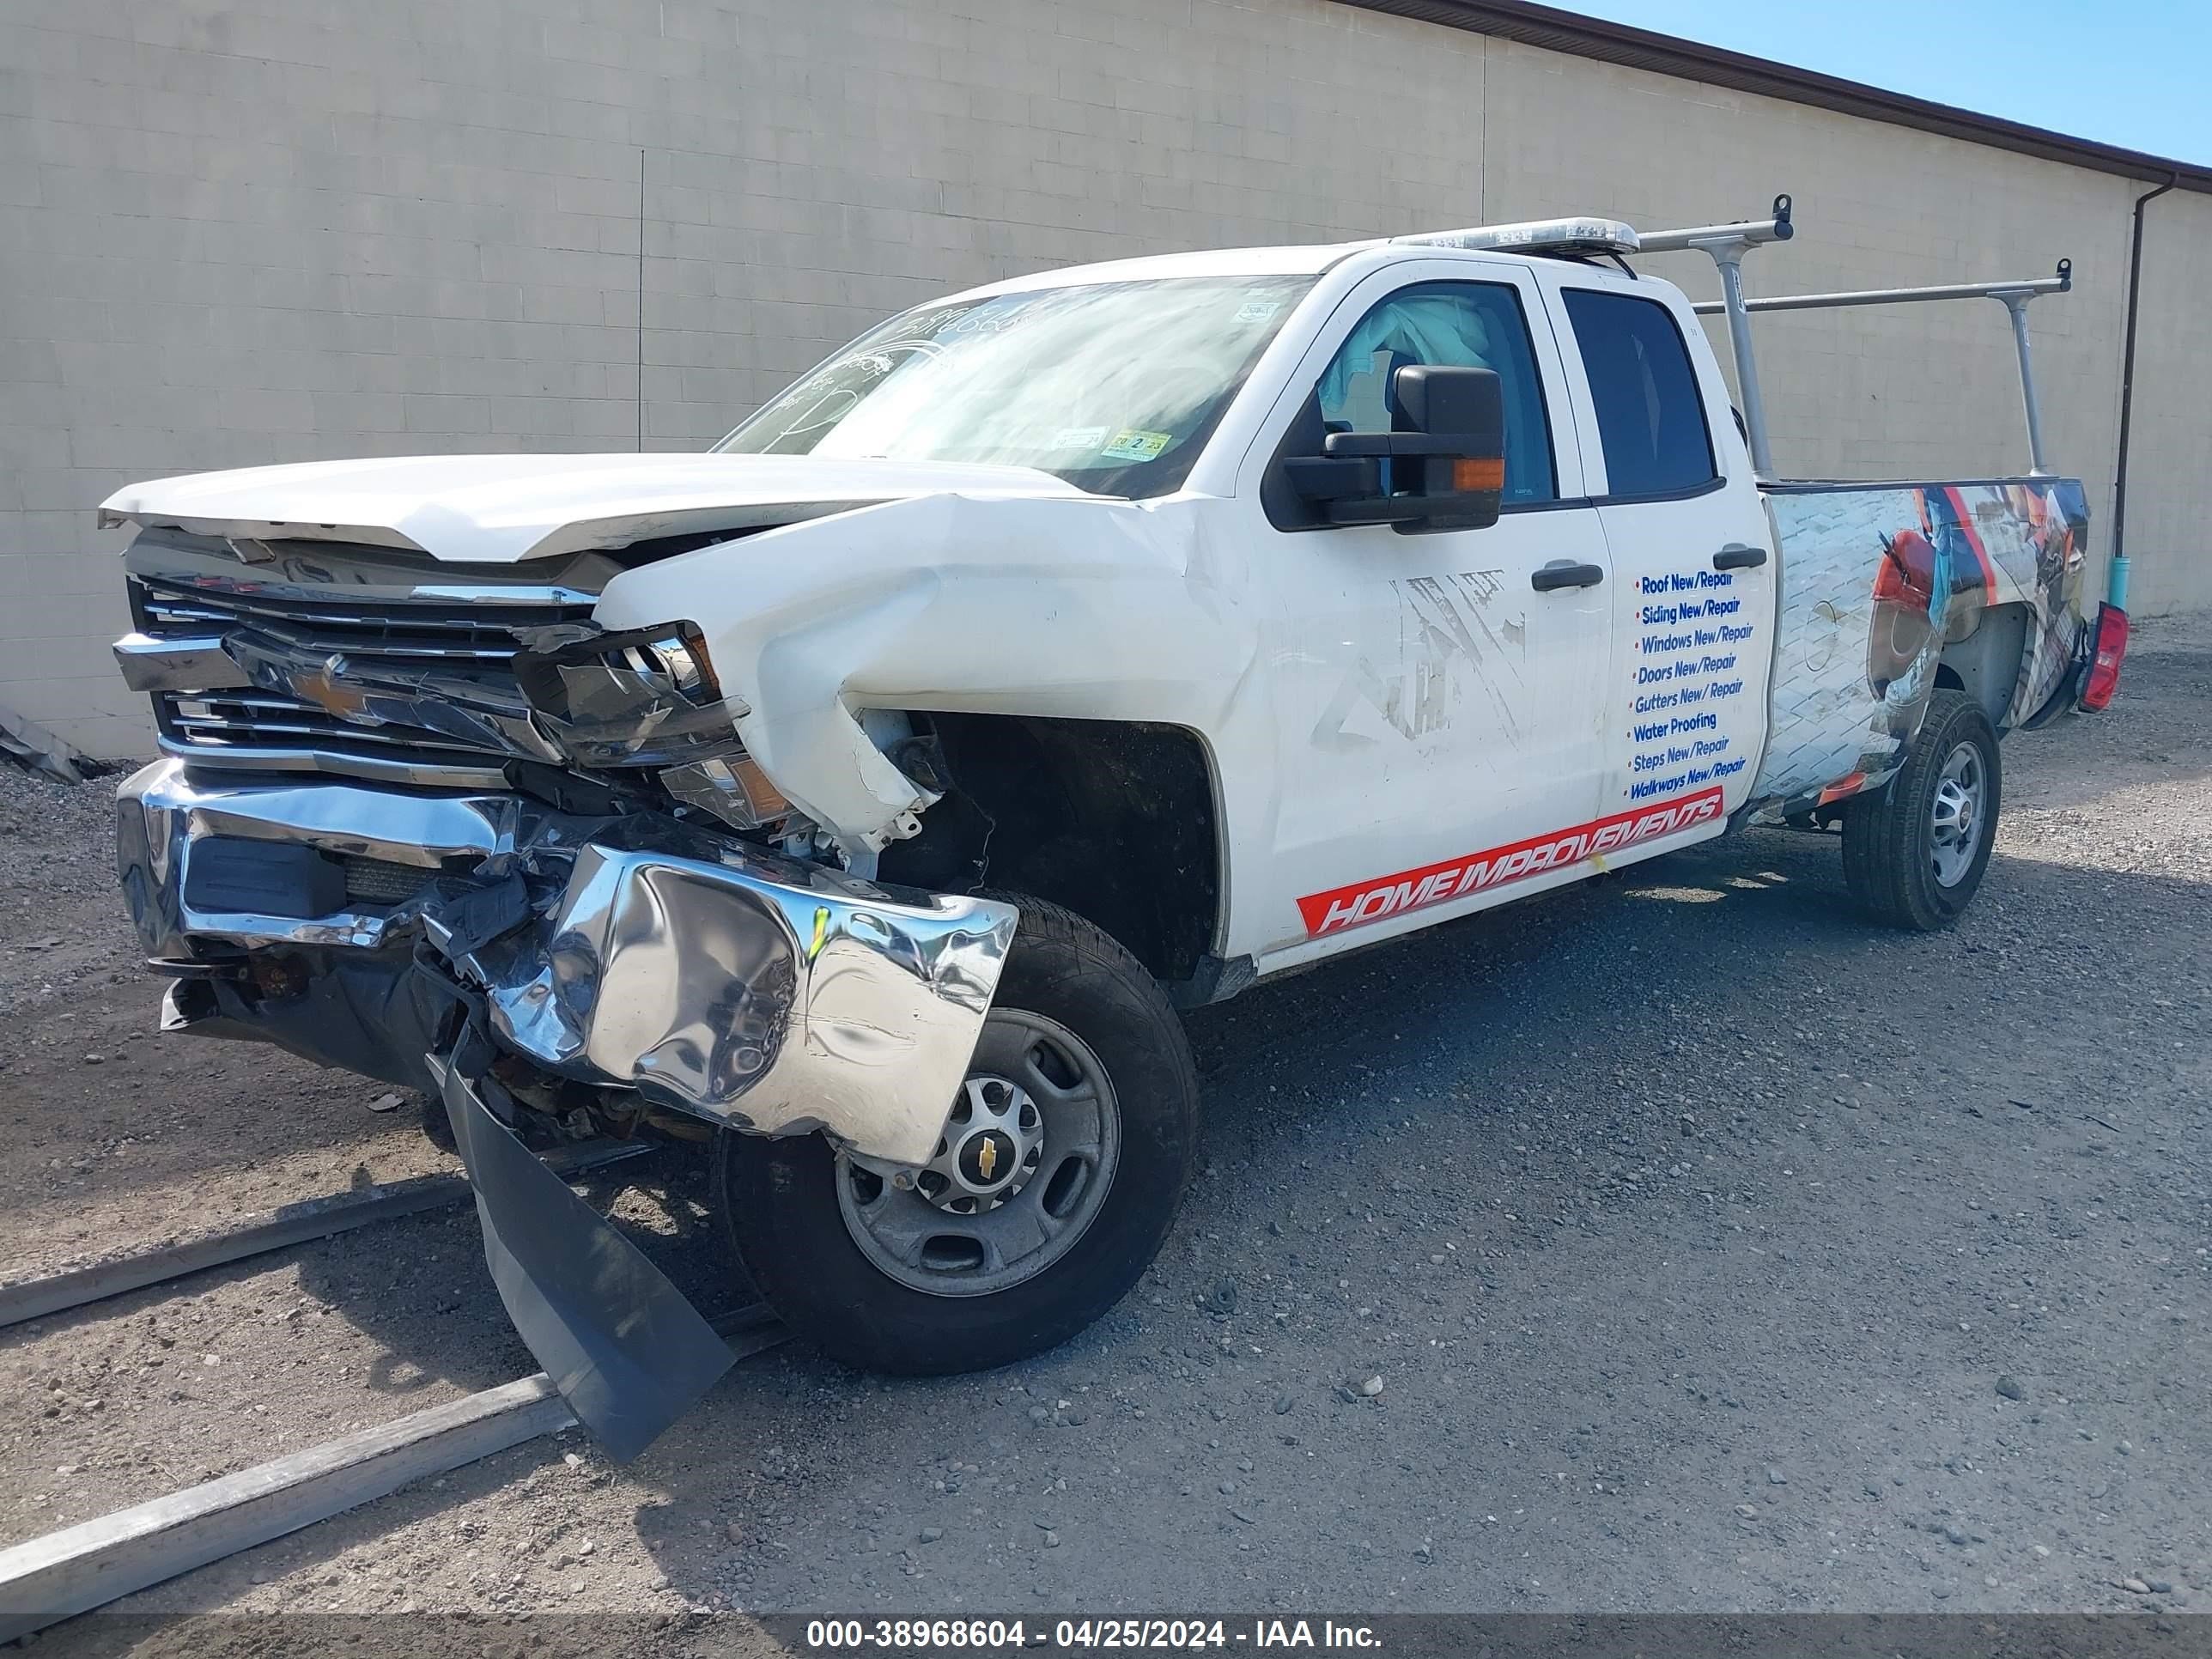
[1677, 1241]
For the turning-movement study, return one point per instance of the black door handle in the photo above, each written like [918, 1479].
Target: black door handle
[1563, 574]
[1737, 556]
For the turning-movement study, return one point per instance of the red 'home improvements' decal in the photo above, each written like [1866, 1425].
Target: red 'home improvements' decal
[1438, 883]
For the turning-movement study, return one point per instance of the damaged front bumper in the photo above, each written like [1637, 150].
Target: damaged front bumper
[631, 952]
[432, 938]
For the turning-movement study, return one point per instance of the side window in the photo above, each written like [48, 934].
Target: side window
[1450, 324]
[1650, 416]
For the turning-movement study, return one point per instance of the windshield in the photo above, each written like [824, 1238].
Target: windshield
[1113, 387]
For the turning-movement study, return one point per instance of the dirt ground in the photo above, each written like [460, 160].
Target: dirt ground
[1714, 1249]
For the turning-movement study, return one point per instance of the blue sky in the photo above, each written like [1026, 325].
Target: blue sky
[2130, 72]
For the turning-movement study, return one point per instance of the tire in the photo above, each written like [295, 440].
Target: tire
[795, 1213]
[1897, 861]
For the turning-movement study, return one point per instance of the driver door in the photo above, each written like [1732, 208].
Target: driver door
[1436, 695]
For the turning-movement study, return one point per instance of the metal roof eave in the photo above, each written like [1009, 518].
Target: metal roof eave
[1665, 54]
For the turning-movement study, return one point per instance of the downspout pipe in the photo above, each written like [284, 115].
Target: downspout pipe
[2116, 584]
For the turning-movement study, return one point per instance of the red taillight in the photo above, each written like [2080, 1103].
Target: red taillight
[2112, 649]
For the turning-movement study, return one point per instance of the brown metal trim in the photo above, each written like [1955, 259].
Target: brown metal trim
[1665, 54]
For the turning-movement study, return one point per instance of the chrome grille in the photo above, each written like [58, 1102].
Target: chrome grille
[473, 637]
[409, 630]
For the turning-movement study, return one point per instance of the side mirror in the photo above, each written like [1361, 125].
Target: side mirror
[1441, 467]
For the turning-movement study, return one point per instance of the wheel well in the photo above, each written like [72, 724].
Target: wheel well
[1985, 663]
[1115, 820]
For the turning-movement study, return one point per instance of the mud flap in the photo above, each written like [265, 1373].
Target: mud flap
[629, 1353]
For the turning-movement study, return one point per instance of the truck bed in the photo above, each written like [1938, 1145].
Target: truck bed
[1876, 579]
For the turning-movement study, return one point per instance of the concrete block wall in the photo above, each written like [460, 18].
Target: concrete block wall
[235, 231]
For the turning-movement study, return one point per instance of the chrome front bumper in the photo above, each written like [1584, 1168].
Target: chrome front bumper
[745, 990]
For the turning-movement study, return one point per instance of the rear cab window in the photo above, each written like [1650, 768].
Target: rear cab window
[1643, 391]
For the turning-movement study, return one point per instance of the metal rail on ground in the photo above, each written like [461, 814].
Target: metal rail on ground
[79, 1568]
[294, 1223]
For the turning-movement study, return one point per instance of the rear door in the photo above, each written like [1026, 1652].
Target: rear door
[1692, 554]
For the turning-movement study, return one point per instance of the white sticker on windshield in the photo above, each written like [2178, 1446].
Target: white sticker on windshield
[1258, 311]
[1079, 437]
[1131, 445]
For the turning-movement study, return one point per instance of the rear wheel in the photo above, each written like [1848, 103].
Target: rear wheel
[1914, 855]
[1061, 1169]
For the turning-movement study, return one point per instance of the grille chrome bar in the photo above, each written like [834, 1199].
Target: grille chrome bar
[411, 766]
[411, 630]
[175, 662]
[227, 720]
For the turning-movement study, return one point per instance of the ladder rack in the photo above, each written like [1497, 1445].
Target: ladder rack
[1726, 245]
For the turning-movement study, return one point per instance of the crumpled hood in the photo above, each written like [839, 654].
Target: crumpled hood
[502, 509]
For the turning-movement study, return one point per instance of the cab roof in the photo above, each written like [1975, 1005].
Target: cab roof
[1309, 259]
[1582, 236]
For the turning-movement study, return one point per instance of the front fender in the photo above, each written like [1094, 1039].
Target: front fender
[1079, 607]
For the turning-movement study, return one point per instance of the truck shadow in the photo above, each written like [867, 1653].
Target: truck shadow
[1710, 922]
[166, 1132]
[429, 1306]
[1356, 1028]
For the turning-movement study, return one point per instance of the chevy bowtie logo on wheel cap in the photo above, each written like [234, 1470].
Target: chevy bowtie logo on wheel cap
[986, 1158]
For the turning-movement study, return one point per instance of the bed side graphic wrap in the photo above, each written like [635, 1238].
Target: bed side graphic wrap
[1872, 579]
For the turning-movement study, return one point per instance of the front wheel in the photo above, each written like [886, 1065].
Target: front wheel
[1914, 855]
[1061, 1167]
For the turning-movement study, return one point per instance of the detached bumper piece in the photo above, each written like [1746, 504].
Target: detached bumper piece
[365, 927]
[628, 1352]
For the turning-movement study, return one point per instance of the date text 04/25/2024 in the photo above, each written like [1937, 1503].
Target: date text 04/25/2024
[948, 1635]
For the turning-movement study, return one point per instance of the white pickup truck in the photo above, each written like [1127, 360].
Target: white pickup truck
[859, 800]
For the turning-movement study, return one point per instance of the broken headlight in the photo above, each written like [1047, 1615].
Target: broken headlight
[648, 697]
[645, 697]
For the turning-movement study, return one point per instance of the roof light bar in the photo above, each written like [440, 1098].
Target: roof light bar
[1580, 235]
